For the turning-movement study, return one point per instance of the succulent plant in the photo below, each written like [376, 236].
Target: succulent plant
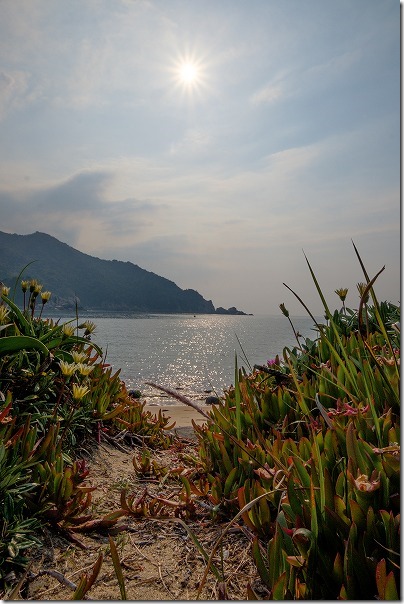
[307, 452]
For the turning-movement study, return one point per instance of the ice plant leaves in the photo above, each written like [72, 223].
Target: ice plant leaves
[10, 344]
[87, 581]
[326, 439]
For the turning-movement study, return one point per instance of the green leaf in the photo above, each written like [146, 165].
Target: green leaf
[24, 324]
[338, 569]
[80, 589]
[228, 464]
[275, 557]
[72, 340]
[294, 500]
[320, 471]
[118, 569]
[381, 578]
[302, 473]
[230, 481]
[259, 562]
[376, 304]
[390, 592]
[354, 451]
[238, 398]
[280, 588]
[357, 514]
[313, 512]
[17, 343]
[328, 490]
[95, 570]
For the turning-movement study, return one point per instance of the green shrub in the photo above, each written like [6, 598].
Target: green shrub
[56, 391]
[313, 441]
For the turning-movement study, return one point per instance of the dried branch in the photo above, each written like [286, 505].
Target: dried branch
[180, 397]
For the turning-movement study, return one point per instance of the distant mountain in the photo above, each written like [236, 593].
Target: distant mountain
[96, 284]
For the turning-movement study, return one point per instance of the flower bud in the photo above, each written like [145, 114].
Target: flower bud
[361, 289]
[342, 293]
[45, 296]
[32, 285]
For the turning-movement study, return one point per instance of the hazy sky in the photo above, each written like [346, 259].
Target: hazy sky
[282, 134]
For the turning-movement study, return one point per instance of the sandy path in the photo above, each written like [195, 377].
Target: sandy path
[159, 558]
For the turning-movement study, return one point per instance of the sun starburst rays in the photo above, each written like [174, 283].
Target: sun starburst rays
[189, 76]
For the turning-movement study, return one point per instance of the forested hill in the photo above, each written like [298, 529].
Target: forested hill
[96, 284]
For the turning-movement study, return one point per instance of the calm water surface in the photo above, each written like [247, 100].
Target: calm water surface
[194, 354]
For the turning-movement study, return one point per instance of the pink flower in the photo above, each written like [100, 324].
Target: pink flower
[346, 409]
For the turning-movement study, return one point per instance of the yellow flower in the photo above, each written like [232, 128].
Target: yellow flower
[342, 293]
[24, 286]
[67, 368]
[79, 392]
[68, 330]
[32, 285]
[79, 357]
[85, 369]
[37, 290]
[45, 297]
[3, 314]
[89, 327]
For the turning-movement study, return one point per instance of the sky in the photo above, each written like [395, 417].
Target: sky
[217, 143]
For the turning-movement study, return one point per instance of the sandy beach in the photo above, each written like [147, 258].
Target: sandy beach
[181, 414]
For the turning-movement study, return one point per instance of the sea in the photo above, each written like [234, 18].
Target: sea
[193, 354]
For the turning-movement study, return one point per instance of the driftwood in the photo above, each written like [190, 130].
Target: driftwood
[179, 397]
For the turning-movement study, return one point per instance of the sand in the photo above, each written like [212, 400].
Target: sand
[181, 414]
[159, 560]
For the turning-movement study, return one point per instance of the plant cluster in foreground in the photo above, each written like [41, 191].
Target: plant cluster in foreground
[306, 452]
[302, 453]
[57, 396]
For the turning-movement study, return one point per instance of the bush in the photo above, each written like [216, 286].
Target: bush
[56, 392]
[306, 449]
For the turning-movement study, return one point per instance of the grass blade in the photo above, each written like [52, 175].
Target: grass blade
[118, 569]
[238, 399]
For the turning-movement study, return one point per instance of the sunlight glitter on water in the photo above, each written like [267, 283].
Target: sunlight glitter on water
[194, 355]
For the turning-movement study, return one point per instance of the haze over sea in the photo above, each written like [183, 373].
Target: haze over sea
[193, 354]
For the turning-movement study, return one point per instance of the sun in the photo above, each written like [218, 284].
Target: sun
[188, 74]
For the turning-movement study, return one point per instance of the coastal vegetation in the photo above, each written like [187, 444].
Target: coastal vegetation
[57, 396]
[306, 452]
[300, 453]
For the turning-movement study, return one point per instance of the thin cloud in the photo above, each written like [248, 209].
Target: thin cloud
[269, 94]
[13, 91]
[75, 210]
[195, 142]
